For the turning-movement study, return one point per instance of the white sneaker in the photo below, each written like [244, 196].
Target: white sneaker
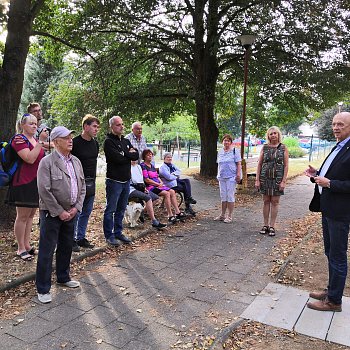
[70, 284]
[45, 298]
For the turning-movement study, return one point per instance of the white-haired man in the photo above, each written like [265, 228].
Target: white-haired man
[136, 138]
[61, 188]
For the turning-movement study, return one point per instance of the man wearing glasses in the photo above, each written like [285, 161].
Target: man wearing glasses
[43, 132]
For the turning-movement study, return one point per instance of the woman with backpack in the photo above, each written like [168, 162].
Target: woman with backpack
[229, 174]
[23, 190]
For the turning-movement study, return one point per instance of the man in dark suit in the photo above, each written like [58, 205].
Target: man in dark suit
[332, 191]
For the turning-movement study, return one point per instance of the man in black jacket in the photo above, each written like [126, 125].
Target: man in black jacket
[86, 149]
[332, 192]
[119, 153]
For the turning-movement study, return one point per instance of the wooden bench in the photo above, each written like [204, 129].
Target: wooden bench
[194, 155]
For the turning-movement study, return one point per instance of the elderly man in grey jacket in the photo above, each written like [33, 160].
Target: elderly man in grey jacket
[61, 187]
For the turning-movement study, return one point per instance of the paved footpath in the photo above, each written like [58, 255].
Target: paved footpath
[166, 297]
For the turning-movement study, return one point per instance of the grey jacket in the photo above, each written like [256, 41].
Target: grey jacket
[54, 184]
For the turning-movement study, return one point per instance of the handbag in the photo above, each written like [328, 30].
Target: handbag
[139, 186]
[315, 204]
[90, 183]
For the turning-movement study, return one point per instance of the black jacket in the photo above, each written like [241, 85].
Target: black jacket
[118, 157]
[334, 201]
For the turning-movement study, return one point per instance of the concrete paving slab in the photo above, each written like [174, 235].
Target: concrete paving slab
[100, 316]
[61, 314]
[76, 332]
[49, 342]
[339, 330]
[33, 330]
[314, 323]
[10, 342]
[287, 309]
[118, 334]
[264, 302]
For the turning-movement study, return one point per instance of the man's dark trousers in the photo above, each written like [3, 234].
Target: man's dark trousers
[53, 232]
[335, 237]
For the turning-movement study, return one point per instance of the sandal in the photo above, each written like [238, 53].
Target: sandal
[272, 232]
[181, 216]
[172, 220]
[32, 251]
[219, 218]
[25, 256]
[264, 230]
[228, 220]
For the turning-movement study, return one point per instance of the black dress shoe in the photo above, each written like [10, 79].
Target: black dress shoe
[190, 211]
[123, 238]
[75, 247]
[84, 243]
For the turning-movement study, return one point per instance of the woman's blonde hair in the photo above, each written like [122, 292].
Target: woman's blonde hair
[275, 128]
[27, 117]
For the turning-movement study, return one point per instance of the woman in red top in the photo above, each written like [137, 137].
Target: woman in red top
[23, 191]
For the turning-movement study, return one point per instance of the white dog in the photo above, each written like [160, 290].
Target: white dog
[132, 213]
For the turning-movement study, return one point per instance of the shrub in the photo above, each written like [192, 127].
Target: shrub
[291, 142]
[296, 152]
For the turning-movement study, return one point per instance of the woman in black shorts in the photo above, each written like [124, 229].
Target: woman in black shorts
[155, 185]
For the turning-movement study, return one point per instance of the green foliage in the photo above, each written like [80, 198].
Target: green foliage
[294, 150]
[291, 142]
[144, 62]
[324, 122]
[39, 75]
[68, 104]
[181, 126]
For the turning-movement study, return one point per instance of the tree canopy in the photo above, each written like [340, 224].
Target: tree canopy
[149, 59]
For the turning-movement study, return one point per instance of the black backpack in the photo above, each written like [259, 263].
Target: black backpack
[9, 160]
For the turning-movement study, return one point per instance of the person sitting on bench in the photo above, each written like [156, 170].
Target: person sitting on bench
[138, 190]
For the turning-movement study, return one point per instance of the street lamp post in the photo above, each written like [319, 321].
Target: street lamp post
[246, 41]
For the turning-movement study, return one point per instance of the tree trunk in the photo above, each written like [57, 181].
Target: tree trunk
[205, 102]
[209, 135]
[19, 27]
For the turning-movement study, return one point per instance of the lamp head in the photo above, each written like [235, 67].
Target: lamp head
[247, 40]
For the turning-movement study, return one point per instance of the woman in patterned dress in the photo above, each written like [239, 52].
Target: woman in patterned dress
[271, 176]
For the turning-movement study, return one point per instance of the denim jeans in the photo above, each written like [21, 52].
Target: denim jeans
[53, 232]
[117, 195]
[335, 238]
[82, 218]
